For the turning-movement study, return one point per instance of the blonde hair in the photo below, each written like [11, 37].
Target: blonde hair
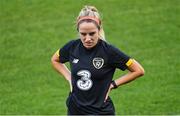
[91, 11]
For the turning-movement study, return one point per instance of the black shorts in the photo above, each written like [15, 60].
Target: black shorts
[73, 109]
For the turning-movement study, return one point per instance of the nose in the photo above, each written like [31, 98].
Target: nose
[87, 38]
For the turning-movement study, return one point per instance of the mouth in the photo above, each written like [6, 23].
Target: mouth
[88, 45]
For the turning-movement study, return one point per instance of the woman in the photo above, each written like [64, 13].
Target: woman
[92, 62]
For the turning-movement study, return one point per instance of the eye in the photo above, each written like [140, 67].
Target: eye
[84, 34]
[92, 33]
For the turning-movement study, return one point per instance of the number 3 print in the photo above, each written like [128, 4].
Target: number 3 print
[85, 83]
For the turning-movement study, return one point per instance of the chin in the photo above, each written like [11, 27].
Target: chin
[88, 47]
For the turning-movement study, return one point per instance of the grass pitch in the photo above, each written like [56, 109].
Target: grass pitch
[32, 30]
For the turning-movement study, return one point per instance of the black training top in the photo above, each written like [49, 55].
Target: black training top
[92, 72]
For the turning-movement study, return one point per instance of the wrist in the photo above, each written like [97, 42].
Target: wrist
[114, 84]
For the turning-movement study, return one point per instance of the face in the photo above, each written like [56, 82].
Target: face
[89, 34]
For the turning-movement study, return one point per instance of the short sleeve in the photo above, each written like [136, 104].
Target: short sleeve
[117, 58]
[64, 52]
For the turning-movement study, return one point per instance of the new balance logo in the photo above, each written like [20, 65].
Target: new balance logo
[75, 61]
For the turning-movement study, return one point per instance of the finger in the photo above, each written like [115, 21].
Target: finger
[70, 88]
[107, 94]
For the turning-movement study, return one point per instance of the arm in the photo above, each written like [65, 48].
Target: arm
[135, 71]
[61, 68]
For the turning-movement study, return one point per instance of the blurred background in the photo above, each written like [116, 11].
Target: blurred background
[31, 31]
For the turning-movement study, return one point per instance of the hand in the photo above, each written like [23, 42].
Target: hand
[109, 90]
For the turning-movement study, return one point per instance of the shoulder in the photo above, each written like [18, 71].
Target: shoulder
[71, 43]
[109, 48]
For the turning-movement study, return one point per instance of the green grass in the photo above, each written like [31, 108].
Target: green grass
[32, 30]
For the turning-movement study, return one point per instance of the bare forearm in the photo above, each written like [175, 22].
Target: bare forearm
[135, 71]
[127, 78]
[62, 69]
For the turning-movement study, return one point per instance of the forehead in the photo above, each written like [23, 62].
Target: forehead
[87, 26]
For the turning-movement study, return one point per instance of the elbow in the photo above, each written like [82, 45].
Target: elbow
[141, 72]
[137, 69]
[53, 60]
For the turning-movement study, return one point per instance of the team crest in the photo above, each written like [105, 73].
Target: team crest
[98, 62]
